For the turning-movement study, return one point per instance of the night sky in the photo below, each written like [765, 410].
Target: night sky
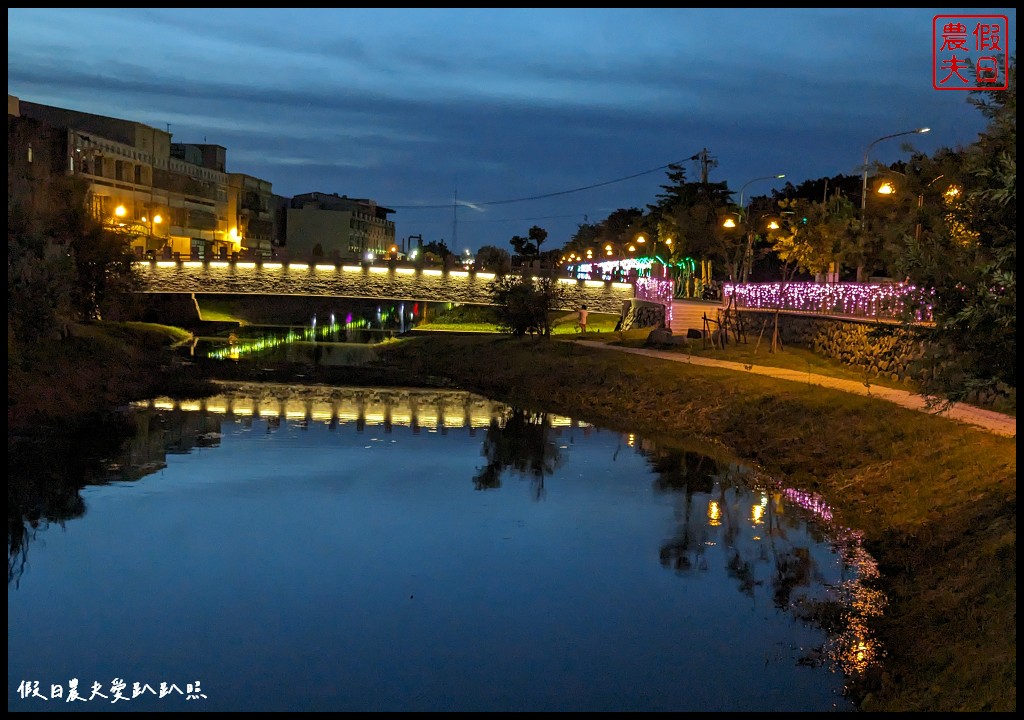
[461, 119]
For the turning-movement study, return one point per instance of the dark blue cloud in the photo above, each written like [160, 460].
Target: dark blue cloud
[435, 106]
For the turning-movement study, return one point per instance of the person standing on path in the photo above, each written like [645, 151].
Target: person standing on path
[582, 321]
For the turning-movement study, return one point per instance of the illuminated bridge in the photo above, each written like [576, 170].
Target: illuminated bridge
[357, 281]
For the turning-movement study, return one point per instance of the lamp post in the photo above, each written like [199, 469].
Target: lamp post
[864, 184]
[748, 254]
[887, 189]
[867, 152]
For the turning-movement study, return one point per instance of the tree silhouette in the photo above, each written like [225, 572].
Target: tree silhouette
[521, 441]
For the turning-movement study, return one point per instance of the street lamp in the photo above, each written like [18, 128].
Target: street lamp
[864, 187]
[748, 254]
[887, 188]
[864, 179]
[155, 220]
[766, 177]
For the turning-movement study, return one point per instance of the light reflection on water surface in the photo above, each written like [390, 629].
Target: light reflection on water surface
[397, 549]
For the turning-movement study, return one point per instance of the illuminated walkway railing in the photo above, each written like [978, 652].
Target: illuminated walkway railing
[879, 301]
[356, 281]
[659, 290]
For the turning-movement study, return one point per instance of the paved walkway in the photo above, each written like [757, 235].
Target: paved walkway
[985, 419]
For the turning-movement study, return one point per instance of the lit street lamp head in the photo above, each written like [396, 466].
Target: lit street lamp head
[867, 152]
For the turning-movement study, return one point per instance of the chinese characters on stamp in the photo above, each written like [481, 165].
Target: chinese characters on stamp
[969, 52]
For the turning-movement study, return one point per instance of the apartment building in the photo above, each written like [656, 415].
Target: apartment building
[252, 202]
[178, 200]
[337, 228]
[174, 199]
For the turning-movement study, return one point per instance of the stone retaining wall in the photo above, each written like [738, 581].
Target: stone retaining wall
[642, 314]
[876, 348]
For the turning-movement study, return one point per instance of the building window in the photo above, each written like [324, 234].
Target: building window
[30, 152]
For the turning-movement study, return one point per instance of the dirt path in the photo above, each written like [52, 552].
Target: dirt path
[986, 419]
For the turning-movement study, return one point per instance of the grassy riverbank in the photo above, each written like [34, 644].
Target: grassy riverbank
[936, 500]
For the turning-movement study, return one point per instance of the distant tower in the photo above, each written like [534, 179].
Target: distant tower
[455, 218]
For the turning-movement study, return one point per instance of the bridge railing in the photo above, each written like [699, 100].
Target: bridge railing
[880, 301]
[390, 280]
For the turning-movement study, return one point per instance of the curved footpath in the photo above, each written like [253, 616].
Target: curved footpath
[986, 419]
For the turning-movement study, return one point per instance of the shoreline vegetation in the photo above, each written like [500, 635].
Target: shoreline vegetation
[935, 500]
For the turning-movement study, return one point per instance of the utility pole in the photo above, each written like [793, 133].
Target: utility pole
[706, 162]
[455, 217]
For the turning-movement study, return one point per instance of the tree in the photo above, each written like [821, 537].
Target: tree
[798, 248]
[692, 214]
[525, 303]
[87, 266]
[40, 283]
[529, 246]
[494, 259]
[438, 249]
[967, 253]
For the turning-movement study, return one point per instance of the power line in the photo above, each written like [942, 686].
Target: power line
[531, 218]
[546, 195]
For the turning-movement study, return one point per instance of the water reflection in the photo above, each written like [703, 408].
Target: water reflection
[631, 575]
[522, 441]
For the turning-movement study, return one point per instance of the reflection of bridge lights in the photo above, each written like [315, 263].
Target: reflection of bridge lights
[245, 265]
[757, 514]
[405, 271]
[714, 514]
[431, 271]
[219, 264]
[430, 412]
[166, 263]
[324, 266]
[453, 420]
[377, 269]
[485, 275]
[192, 263]
[298, 266]
[272, 266]
[351, 268]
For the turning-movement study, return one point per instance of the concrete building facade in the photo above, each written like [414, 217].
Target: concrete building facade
[337, 228]
[178, 200]
[173, 199]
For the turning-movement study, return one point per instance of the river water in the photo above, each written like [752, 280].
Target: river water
[296, 548]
